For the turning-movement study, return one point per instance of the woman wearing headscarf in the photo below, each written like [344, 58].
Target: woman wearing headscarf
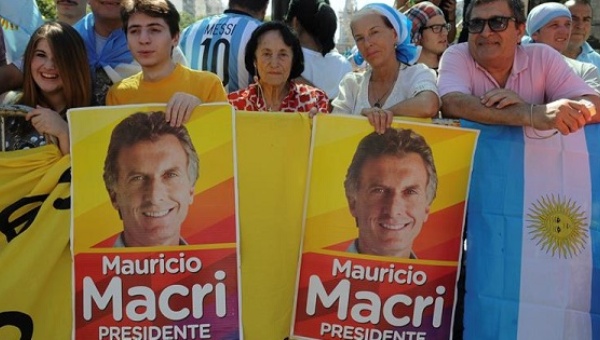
[550, 24]
[315, 24]
[430, 31]
[395, 85]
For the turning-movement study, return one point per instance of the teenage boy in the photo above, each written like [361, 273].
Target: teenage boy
[152, 30]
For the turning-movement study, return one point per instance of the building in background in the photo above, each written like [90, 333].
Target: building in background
[199, 8]
[346, 41]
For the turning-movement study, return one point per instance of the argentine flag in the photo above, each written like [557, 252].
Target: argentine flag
[19, 20]
[533, 231]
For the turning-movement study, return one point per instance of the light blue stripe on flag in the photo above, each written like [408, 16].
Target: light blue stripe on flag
[496, 234]
[593, 140]
[25, 15]
[494, 221]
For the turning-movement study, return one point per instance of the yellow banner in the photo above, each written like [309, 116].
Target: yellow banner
[35, 289]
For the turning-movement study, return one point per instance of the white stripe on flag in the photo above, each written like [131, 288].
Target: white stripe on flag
[555, 291]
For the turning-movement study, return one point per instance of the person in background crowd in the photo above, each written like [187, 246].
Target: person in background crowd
[550, 24]
[448, 8]
[70, 11]
[152, 28]
[315, 23]
[578, 48]
[274, 57]
[217, 43]
[56, 78]
[430, 31]
[393, 86]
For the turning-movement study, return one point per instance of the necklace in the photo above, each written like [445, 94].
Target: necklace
[378, 103]
[261, 93]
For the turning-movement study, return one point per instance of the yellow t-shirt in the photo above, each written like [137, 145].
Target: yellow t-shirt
[135, 90]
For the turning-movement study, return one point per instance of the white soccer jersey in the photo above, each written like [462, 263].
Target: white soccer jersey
[218, 44]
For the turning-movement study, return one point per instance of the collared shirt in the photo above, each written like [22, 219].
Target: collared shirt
[353, 248]
[588, 55]
[120, 242]
[539, 75]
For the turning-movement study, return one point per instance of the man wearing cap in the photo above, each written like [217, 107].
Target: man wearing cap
[550, 24]
[430, 31]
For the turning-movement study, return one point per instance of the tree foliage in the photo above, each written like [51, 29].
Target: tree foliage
[47, 8]
[186, 20]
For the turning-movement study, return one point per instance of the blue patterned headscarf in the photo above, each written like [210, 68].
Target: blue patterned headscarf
[406, 51]
[542, 14]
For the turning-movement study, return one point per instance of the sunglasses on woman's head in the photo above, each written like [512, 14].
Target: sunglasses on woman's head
[496, 24]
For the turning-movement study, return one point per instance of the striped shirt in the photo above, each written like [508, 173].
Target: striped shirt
[218, 44]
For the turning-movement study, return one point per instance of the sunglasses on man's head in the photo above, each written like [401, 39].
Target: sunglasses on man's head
[496, 24]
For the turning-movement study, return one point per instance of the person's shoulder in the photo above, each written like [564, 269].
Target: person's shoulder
[305, 88]
[417, 70]
[85, 24]
[334, 55]
[199, 74]
[457, 53]
[129, 83]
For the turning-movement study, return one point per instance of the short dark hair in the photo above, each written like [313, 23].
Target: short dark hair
[140, 127]
[317, 18]
[583, 2]
[289, 38]
[252, 5]
[154, 8]
[516, 6]
[394, 142]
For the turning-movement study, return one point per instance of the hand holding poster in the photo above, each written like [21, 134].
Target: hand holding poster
[383, 229]
[154, 225]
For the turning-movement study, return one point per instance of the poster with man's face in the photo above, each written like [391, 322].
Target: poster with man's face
[155, 227]
[383, 230]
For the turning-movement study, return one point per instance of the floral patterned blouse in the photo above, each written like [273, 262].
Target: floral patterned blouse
[301, 98]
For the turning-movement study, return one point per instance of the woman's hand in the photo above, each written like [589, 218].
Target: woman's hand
[380, 119]
[180, 107]
[49, 122]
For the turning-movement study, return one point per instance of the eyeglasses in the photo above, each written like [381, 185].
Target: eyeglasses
[437, 28]
[496, 24]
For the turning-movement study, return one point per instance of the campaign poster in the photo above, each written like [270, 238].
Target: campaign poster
[383, 225]
[155, 225]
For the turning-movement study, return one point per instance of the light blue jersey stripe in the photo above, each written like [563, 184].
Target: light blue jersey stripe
[592, 133]
[218, 44]
[496, 189]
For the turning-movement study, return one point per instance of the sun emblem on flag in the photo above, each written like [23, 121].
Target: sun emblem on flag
[558, 224]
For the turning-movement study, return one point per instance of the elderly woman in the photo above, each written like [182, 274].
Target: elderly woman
[315, 23]
[56, 78]
[430, 31]
[392, 87]
[274, 57]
